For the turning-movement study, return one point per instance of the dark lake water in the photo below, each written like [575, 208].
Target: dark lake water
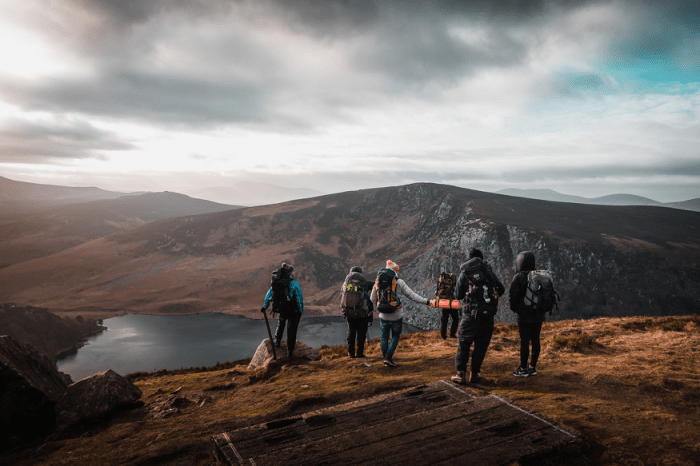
[139, 342]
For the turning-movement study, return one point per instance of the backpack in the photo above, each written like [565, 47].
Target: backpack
[353, 299]
[481, 298]
[446, 286]
[445, 292]
[540, 295]
[387, 301]
[282, 301]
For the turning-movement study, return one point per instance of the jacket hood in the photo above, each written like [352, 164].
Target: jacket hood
[525, 261]
[357, 268]
[470, 263]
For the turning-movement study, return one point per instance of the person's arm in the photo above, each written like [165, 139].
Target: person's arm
[462, 287]
[517, 291]
[409, 293]
[295, 290]
[268, 298]
[500, 289]
[342, 288]
[373, 295]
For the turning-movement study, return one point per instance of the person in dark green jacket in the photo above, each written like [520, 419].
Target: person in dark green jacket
[529, 323]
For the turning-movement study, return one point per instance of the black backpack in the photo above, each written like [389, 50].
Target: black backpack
[353, 299]
[481, 298]
[282, 300]
[387, 301]
[540, 295]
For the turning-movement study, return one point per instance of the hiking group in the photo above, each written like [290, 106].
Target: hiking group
[474, 294]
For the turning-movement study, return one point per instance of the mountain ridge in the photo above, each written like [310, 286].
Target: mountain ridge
[221, 262]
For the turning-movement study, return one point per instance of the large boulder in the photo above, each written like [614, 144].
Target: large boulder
[264, 356]
[30, 386]
[95, 396]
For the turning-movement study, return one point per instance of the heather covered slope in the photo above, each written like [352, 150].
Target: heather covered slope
[628, 385]
[30, 235]
[607, 260]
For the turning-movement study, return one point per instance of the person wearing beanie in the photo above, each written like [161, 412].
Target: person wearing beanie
[391, 315]
[475, 327]
[357, 309]
[288, 301]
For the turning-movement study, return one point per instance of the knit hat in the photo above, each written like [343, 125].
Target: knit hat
[357, 269]
[392, 265]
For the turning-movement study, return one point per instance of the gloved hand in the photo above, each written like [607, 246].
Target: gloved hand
[262, 310]
[432, 303]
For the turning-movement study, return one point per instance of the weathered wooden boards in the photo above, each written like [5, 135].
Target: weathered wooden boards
[439, 423]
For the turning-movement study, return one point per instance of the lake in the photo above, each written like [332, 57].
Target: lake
[147, 343]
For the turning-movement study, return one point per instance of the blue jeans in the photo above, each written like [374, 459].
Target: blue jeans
[393, 326]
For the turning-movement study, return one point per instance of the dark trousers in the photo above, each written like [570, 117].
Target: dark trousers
[291, 320]
[529, 333]
[446, 314]
[357, 329]
[473, 331]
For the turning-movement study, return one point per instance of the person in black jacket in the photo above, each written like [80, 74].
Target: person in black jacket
[529, 323]
[473, 328]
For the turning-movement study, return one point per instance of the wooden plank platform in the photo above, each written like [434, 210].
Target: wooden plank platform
[439, 423]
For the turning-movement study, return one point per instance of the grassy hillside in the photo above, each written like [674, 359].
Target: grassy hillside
[628, 385]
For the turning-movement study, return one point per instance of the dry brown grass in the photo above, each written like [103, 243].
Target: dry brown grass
[629, 385]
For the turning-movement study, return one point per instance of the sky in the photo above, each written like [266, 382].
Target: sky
[585, 97]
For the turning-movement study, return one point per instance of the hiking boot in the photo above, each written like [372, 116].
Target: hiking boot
[360, 355]
[459, 378]
[277, 342]
[532, 370]
[453, 336]
[475, 377]
[389, 363]
[520, 372]
[290, 354]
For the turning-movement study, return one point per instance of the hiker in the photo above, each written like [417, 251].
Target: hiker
[529, 323]
[479, 288]
[357, 309]
[385, 298]
[287, 301]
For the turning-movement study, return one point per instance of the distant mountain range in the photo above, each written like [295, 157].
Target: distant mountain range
[612, 199]
[606, 260]
[39, 224]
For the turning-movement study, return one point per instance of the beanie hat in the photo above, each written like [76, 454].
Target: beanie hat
[392, 265]
[357, 269]
[473, 252]
[289, 268]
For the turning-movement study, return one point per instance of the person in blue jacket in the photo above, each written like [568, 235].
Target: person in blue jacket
[287, 301]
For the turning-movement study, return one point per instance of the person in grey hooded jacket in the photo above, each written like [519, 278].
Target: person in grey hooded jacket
[529, 323]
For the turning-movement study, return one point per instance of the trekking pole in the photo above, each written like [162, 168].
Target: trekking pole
[269, 333]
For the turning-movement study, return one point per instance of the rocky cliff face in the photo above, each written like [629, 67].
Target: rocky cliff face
[596, 276]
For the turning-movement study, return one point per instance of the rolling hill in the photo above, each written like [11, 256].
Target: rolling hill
[606, 260]
[37, 233]
[20, 196]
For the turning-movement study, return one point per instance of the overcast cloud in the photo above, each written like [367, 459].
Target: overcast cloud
[585, 97]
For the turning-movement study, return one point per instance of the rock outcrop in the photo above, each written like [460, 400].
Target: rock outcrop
[263, 355]
[30, 386]
[95, 396]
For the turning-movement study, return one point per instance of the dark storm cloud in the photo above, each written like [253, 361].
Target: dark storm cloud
[412, 44]
[153, 97]
[122, 14]
[29, 142]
